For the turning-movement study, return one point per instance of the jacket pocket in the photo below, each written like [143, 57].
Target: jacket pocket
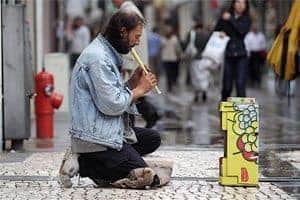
[107, 127]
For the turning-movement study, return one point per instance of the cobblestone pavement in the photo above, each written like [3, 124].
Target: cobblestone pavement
[174, 190]
[34, 176]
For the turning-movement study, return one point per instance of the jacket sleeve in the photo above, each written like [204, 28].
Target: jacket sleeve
[242, 27]
[110, 96]
[219, 25]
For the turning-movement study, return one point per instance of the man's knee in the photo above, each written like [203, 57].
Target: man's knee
[148, 140]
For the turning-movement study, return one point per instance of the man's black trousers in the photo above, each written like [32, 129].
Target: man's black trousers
[112, 165]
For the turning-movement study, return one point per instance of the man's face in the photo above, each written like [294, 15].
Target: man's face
[131, 39]
[135, 35]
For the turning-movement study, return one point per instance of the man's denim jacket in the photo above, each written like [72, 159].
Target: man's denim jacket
[98, 96]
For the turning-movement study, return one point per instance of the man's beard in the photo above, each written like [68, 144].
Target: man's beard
[121, 45]
[123, 48]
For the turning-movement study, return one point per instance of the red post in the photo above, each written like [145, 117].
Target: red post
[45, 102]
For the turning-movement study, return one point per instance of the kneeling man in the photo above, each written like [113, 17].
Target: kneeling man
[104, 147]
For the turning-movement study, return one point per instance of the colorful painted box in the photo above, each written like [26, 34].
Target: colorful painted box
[240, 121]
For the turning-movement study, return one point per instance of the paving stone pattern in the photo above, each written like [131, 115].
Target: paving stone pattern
[194, 164]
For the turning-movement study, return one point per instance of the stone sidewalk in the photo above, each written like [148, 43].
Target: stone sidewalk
[34, 176]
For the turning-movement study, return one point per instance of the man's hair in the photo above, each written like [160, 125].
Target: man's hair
[122, 20]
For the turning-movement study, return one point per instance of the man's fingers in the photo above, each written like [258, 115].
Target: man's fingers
[151, 76]
[152, 79]
[145, 73]
[139, 70]
[143, 68]
[154, 83]
[148, 68]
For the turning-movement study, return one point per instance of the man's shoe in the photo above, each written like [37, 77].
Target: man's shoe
[69, 168]
[100, 182]
[155, 182]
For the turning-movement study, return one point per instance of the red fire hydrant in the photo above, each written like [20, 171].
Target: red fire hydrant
[44, 103]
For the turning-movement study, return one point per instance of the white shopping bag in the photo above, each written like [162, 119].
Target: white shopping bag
[200, 73]
[215, 47]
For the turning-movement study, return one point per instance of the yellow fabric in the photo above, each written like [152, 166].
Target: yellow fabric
[275, 54]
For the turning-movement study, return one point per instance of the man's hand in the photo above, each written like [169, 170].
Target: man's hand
[226, 16]
[222, 34]
[135, 78]
[146, 83]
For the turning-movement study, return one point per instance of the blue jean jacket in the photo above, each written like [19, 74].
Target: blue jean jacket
[98, 96]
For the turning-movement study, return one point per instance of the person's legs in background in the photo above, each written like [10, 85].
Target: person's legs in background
[251, 75]
[205, 76]
[261, 62]
[241, 76]
[154, 64]
[172, 69]
[175, 73]
[168, 70]
[256, 68]
[148, 112]
[188, 78]
[228, 77]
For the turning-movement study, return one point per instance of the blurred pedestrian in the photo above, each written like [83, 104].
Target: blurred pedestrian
[79, 36]
[199, 69]
[103, 147]
[154, 49]
[171, 51]
[255, 42]
[236, 24]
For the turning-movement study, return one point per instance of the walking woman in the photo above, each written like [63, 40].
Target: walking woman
[170, 57]
[236, 24]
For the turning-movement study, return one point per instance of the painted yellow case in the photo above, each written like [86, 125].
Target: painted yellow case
[240, 121]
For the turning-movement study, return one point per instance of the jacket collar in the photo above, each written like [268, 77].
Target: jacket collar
[104, 41]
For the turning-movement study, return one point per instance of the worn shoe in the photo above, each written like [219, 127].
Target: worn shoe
[139, 178]
[69, 168]
[100, 182]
